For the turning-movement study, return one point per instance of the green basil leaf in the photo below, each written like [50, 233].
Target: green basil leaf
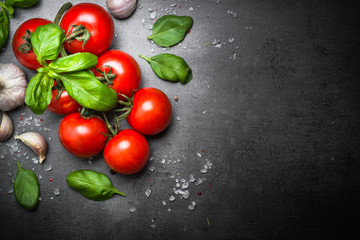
[74, 62]
[47, 41]
[89, 92]
[38, 93]
[4, 27]
[93, 185]
[21, 3]
[169, 30]
[9, 9]
[26, 188]
[170, 67]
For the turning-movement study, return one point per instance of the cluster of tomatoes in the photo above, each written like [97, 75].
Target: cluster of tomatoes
[149, 109]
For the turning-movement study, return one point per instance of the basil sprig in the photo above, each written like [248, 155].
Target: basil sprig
[170, 67]
[26, 188]
[21, 3]
[169, 30]
[92, 185]
[4, 26]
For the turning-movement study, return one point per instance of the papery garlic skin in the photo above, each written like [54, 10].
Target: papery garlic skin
[12, 86]
[6, 127]
[121, 8]
[36, 142]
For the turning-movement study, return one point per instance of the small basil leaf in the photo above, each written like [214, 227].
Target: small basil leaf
[169, 30]
[74, 62]
[26, 188]
[46, 41]
[4, 27]
[21, 3]
[92, 185]
[170, 67]
[9, 9]
[89, 92]
[38, 93]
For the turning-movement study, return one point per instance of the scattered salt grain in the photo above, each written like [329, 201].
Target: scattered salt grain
[231, 40]
[56, 192]
[148, 192]
[192, 179]
[151, 168]
[191, 8]
[132, 209]
[164, 203]
[35, 160]
[171, 198]
[185, 185]
[48, 167]
[198, 154]
[153, 15]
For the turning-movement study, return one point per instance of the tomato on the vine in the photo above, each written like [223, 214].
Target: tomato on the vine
[127, 152]
[151, 111]
[64, 104]
[27, 59]
[126, 69]
[96, 20]
[83, 137]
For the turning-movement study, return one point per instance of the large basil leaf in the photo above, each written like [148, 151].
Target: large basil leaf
[170, 67]
[26, 188]
[21, 3]
[4, 27]
[93, 185]
[74, 62]
[169, 30]
[89, 92]
[38, 93]
[47, 41]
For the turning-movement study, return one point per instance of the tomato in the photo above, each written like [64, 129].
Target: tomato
[96, 20]
[64, 105]
[151, 111]
[82, 136]
[127, 70]
[27, 59]
[127, 152]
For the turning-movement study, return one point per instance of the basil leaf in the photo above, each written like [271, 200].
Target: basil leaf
[4, 27]
[89, 92]
[9, 9]
[170, 67]
[21, 3]
[74, 62]
[47, 41]
[26, 188]
[38, 93]
[169, 30]
[93, 185]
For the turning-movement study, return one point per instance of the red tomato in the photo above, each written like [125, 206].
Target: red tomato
[27, 59]
[127, 70]
[64, 105]
[82, 136]
[151, 111]
[96, 20]
[127, 152]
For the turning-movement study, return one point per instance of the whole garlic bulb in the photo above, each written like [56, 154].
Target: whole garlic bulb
[12, 86]
[121, 8]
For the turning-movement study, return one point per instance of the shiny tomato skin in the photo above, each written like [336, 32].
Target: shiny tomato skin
[64, 105]
[127, 70]
[96, 20]
[28, 59]
[127, 152]
[151, 111]
[82, 137]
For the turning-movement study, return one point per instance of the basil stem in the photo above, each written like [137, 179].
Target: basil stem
[92, 185]
[26, 188]
[170, 67]
[169, 30]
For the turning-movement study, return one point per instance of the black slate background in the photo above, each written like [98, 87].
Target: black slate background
[281, 128]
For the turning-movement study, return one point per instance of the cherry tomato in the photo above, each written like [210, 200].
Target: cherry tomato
[64, 105]
[82, 136]
[27, 59]
[151, 111]
[127, 152]
[96, 20]
[127, 70]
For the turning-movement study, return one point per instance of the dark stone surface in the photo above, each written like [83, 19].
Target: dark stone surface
[281, 128]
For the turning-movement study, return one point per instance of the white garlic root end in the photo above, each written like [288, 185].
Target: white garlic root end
[6, 127]
[36, 142]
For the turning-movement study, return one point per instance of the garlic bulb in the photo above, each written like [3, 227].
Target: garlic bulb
[121, 8]
[12, 86]
[6, 127]
[36, 142]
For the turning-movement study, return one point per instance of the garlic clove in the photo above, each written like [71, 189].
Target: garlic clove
[121, 8]
[6, 127]
[36, 142]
